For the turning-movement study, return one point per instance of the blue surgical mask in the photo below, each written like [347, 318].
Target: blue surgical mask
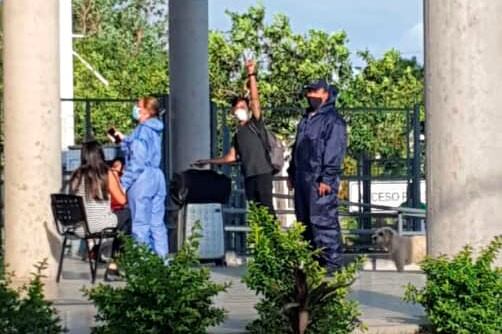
[136, 112]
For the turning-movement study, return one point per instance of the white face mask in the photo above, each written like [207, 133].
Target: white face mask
[241, 114]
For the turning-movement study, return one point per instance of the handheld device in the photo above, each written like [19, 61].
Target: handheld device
[113, 133]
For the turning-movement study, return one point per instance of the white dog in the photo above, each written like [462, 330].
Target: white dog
[403, 250]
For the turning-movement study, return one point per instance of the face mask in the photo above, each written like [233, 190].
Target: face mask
[314, 102]
[241, 114]
[136, 112]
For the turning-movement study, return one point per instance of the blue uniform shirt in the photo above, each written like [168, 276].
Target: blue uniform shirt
[320, 145]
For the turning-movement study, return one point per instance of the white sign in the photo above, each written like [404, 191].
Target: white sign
[388, 193]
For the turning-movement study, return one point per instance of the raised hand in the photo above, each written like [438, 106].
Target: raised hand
[250, 66]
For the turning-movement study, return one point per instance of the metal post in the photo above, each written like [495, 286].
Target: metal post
[226, 141]
[400, 223]
[366, 169]
[409, 161]
[359, 192]
[417, 171]
[214, 130]
[417, 155]
[87, 121]
[164, 106]
[172, 214]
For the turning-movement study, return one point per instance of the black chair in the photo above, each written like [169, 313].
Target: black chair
[69, 215]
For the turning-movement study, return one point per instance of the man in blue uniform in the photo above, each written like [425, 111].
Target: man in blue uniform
[315, 171]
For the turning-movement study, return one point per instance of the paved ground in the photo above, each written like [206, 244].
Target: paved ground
[378, 292]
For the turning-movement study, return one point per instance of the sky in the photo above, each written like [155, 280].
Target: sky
[376, 25]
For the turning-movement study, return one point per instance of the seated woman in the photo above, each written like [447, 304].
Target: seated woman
[97, 185]
[118, 197]
[117, 169]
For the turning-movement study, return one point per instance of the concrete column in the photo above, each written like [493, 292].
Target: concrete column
[189, 82]
[464, 123]
[32, 132]
[66, 73]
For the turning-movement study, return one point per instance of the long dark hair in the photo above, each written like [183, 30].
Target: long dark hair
[93, 171]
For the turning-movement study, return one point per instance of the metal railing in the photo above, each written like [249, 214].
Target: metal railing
[408, 168]
[400, 214]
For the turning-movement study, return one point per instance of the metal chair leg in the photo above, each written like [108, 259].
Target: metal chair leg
[112, 256]
[89, 258]
[61, 258]
[98, 258]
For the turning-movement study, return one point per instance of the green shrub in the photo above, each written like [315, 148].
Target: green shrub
[158, 298]
[462, 295]
[295, 295]
[25, 310]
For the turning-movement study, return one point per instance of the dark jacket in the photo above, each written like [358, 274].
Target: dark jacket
[320, 145]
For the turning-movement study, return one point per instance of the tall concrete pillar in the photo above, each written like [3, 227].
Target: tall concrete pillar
[189, 82]
[32, 131]
[464, 123]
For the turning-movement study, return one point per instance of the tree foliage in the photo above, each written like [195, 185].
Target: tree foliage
[125, 41]
[463, 294]
[25, 310]
[159, 298]
[286, 62]
[390, 82]
[296, 297]
[387, 82]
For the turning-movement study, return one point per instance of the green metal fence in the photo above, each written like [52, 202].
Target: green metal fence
[403, 160]
[365, 165]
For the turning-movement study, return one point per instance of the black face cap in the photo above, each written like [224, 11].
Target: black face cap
[318, 84]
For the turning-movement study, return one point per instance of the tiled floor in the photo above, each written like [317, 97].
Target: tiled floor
[378, 292]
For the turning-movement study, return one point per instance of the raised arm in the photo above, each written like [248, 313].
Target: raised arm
[254, 102]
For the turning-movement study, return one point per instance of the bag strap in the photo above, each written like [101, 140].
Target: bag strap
[256, 131]
[266, 147]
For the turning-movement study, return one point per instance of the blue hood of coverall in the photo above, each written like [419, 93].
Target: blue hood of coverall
[154, 124]
[330, 103]
[142, 150]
